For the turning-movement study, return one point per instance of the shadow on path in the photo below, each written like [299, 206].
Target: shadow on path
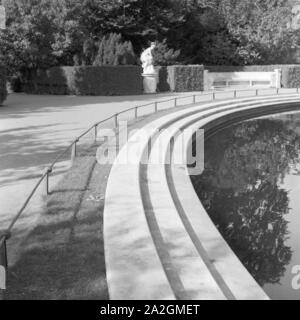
[63, 257]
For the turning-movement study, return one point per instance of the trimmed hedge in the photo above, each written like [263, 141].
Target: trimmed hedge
[290, 73]
[3, 90]
[111, 80]
[291, 77]
[90, 80]
[127, 80]
[180, 78]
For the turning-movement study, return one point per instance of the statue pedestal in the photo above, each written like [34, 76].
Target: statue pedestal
[149, 82]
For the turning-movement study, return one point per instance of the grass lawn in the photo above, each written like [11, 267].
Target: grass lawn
[63, 257]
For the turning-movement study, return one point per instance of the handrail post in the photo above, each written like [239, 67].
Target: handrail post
[277, 91]
[256, 92]
[48, 171]
[155, 107]
[194, 99]
[4, 236]
[214, 96]
[3, 248]
[96, 133]
[175, 102]
[3, 266]
[74, 151]
[135, 112]
[234, 93]
[116, 120]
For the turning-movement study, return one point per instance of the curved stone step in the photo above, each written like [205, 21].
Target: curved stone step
[133, 263]
[197, 284]
[212, 247]
[189, 275]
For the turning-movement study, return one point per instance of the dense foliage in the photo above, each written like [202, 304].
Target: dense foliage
[43, 33]
[163, 55]
[3, 92]
[113, 51]
[86, 80]
[181, 78]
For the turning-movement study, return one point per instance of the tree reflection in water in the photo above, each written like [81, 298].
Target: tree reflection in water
[240, 190]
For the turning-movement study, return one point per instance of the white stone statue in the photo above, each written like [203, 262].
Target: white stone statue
[147, 60]
[2, 17]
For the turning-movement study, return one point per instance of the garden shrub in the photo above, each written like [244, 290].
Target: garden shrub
[163, 55]
[3, 90]
[291, 76]
[15, 84]
[180, 78]
[114, 51]
[87, 80]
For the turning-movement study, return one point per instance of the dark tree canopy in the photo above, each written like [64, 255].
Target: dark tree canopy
[43, 33]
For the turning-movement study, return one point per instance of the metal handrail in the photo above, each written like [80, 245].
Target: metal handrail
[6, 234]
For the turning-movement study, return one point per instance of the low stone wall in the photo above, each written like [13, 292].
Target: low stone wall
[290, 73]
[265, 79]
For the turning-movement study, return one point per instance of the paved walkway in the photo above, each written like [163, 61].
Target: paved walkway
[33, 130]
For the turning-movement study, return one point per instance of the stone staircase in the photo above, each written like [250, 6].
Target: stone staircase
[159, 241]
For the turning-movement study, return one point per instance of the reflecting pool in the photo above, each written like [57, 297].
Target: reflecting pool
[251, 189]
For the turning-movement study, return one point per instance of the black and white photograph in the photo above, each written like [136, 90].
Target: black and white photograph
[149, 154]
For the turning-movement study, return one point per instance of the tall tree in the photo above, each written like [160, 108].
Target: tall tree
[43, 33]
[262, 29]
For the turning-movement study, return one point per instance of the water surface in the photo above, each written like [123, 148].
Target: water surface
[251, 189]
